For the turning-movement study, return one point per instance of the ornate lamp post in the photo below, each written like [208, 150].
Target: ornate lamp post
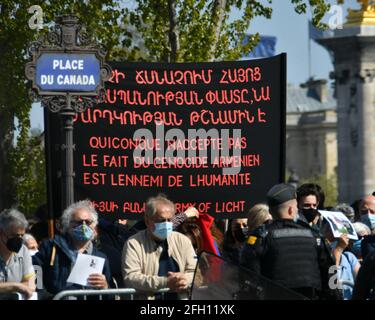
[68, 74]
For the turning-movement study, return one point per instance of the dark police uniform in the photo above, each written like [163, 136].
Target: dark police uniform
[286, 253]
[292, 254]
[325, 261]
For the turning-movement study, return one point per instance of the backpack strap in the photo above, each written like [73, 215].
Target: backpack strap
[53, 255]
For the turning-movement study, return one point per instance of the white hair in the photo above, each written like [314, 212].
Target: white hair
[345, 208]
[12, 217]
[152, 203]
[69, 211]
[361, 229]
[27, 236]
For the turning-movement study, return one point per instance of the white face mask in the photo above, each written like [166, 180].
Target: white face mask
[32, 252]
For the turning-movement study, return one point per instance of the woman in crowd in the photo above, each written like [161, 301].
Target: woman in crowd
[257, 215]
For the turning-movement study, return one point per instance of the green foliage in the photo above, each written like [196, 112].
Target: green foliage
[318, 9]
[28, 168]
[100, 17]
[196, 27]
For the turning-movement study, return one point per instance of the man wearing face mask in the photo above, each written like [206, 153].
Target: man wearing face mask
[367, 216]
[158, 257]
[30, 243]
[57, 257]
[284, 250]
[367, 211]
[308, 203]
[17, 273]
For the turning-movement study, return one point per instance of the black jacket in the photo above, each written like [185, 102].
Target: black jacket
[367, 246]
[284, 252]
[365, 282]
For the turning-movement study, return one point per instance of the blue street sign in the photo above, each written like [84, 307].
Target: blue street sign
[67, 72]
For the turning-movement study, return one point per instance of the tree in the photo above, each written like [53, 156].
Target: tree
[100, 16]
[154, 30]
[28, 171]
[201, 30]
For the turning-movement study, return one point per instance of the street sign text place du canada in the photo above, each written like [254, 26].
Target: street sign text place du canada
[68, 72]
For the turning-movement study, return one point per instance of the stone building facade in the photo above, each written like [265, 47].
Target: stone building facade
[353, 52]
[311, 140]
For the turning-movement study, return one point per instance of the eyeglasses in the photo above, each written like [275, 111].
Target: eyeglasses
[79, 222]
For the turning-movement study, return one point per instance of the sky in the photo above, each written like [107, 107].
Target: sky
[291, 31]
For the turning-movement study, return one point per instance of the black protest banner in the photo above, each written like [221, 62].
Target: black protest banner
[211, 135]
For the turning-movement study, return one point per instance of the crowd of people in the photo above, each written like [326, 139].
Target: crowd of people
[286, 239]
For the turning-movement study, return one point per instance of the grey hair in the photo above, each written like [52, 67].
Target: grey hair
[12, 217]
[27, 236]
[152, 203]
[345, 208]
[361, 228]
[69, 211]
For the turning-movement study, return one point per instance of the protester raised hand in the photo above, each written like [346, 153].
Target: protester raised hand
[192, 212]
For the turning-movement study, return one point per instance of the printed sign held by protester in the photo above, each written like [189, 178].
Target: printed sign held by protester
[85, 265]
[339, 224]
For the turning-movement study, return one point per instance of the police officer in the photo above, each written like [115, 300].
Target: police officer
[284, 251]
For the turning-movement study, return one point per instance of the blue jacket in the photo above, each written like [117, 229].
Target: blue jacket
[56, 261]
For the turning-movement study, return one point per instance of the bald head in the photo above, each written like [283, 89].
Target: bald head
[286, 210]
[367, 205]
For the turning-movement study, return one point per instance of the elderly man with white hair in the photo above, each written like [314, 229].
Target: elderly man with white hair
[158, 257]
[17, 274]
[56, 257]
[30, 242]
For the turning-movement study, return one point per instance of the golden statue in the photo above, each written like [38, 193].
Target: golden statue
[363, 16]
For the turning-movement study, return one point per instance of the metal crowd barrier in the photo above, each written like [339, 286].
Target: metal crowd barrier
[105, 292]
[130, 292]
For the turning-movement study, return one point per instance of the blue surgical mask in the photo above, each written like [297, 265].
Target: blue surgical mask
[163, 229]
[82, 233]
[356, 247]
[369, 220]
